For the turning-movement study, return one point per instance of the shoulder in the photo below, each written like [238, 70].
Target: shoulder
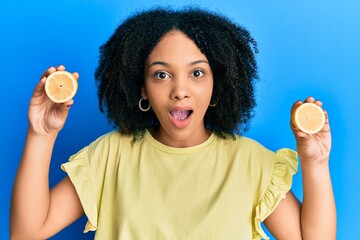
[245, 146]
[250, 154]
[113, 135]
[107, 144]
[111, 139]
[259, 154]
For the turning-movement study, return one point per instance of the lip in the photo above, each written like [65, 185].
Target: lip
[180, 123]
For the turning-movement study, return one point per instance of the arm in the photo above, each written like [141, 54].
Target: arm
[316, 218]
[37, 212]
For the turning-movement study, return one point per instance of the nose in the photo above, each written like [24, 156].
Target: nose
[180, 88]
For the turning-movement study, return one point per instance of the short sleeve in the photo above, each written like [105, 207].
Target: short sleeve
[285, 166]
[80, 175]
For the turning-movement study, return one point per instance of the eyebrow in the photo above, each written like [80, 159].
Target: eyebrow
[166, 64]
[199, 61]
[158, 63]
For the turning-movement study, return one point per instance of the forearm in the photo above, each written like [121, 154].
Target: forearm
[31, 194]
[318, 213]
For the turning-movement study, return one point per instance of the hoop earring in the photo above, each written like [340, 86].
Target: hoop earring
[213, 104]
[144, 109]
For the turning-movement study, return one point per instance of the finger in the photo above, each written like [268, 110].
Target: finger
[310, 99]
[41, 85]
[326, 117]
[39, 88]
[299, 135]
[60, 68]
[327, 122]
[68, 104]
[65, 107]
[319, 103]
[48, 72]
[76, 75]
[52, 69]
[292, 124]
[294, 106]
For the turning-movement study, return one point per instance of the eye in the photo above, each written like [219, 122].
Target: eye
[197, 73]
[162, 75]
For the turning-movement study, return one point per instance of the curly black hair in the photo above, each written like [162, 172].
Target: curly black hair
[229, 48]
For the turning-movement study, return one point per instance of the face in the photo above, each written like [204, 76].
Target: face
[178, 85]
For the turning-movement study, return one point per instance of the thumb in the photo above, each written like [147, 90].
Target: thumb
[64, 109]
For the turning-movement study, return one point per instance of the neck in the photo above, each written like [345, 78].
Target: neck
[180, 140]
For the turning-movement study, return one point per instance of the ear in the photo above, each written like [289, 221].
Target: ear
[143, 93]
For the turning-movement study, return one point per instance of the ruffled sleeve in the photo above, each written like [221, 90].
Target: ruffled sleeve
[285, 166]
[79, 173]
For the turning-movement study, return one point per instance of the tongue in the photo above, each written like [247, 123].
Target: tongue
[180, 115]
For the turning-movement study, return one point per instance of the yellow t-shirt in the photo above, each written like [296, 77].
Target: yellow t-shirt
[220, 189]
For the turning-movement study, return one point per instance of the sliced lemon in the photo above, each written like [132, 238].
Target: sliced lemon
[309, 118]
[61, 86]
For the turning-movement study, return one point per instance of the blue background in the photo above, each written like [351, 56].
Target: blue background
[306, 48]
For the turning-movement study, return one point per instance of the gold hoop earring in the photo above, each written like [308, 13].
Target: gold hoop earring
[144, 109]
[213, 104]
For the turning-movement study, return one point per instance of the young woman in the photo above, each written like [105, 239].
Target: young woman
[178, 87]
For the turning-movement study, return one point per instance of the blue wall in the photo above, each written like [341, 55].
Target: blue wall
[307, 48]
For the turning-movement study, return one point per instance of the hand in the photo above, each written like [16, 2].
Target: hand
[45, 116]
[315, 148]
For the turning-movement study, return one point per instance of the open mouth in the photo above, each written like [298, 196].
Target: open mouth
[181, 115]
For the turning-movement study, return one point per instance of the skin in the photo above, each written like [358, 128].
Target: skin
[315, 218]
[37, 212]
[181, 80]
[184, 83]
